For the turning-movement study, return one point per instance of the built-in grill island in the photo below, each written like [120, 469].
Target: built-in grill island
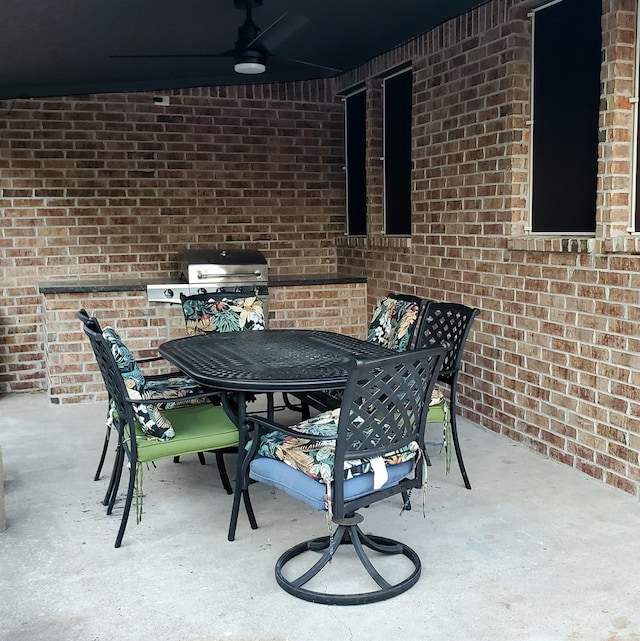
[209, 271]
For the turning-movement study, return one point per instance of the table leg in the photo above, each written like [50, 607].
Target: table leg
[242, 442]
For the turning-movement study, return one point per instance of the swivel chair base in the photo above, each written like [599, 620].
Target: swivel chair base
[353, 535]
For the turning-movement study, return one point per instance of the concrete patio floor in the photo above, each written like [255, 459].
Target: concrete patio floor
[535, 552]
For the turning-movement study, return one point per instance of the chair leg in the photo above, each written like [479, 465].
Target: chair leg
[105, 447]
[456, 442]
[127, 505]
[349, 533]
[114, 481]
[270, 407]
[242, 490]
[250, 513]
[290, 405]
[176, 459]
[222, 470]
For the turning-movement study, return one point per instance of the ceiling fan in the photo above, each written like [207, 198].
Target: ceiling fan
[253, 48]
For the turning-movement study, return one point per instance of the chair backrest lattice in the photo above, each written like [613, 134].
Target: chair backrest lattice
[384, 407]
[446, 324]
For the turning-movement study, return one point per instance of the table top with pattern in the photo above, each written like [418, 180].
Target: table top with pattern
[269, 360]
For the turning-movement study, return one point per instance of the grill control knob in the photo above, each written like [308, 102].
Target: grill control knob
[202, 290]
[168, 293]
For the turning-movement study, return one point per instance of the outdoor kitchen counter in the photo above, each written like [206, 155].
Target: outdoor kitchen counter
[327, 302]
[78, 286]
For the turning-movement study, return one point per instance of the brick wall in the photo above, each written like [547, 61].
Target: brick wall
[116, 185]
[554, 358]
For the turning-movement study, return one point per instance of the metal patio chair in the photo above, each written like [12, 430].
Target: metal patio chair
[393, 325]
[171, 386]
[448, 324]
[145, 433]
[340, 461]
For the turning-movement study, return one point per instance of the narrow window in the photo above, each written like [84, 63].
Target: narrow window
[567, 47]
[398, 90]
[355, 124]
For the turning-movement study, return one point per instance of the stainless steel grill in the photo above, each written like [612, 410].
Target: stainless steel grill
[207, 271]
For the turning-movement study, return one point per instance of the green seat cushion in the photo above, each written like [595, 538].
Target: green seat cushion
[197, 428]
[436, 413]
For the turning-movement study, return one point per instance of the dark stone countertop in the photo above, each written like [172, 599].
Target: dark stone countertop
[94, 284]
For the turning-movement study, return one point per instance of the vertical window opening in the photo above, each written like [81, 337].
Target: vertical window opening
[355, 124]
[567, 47]
[398, 97]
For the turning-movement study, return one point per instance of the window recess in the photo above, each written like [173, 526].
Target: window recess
[397, 101]
[567, 45]
[355, 126]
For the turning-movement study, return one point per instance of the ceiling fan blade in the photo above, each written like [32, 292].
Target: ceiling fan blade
[229, 53]
[303, 63]
[277, 32]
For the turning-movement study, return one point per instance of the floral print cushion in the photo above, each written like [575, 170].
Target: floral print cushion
[153, 423]
[392, 324]
[176, 386]
[316, 458]
[211, 314]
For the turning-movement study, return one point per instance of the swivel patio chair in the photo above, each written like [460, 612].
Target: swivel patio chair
[371, 448]
[393, 325]
[145, 433]
[448, 324]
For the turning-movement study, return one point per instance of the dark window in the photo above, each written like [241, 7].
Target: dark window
[397, 153]
[355, 154]
[566, 86]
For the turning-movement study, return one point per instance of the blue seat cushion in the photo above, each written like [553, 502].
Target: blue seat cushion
[314, 493]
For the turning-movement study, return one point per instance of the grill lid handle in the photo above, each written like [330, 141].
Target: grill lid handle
[204, 275]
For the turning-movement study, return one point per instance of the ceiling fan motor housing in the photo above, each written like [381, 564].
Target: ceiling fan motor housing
[247, 4]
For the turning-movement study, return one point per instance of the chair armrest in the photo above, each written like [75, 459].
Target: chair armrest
[149, 359]
[155, 377]
[262, 425]
[322, 401]
[173, 399]
[155, 359]
[267, 425]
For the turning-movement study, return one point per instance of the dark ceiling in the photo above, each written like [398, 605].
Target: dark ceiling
[66, 47]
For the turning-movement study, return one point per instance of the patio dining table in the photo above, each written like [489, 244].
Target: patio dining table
[287, 360]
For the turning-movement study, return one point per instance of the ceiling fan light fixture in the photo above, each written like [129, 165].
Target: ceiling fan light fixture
[249, 67]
